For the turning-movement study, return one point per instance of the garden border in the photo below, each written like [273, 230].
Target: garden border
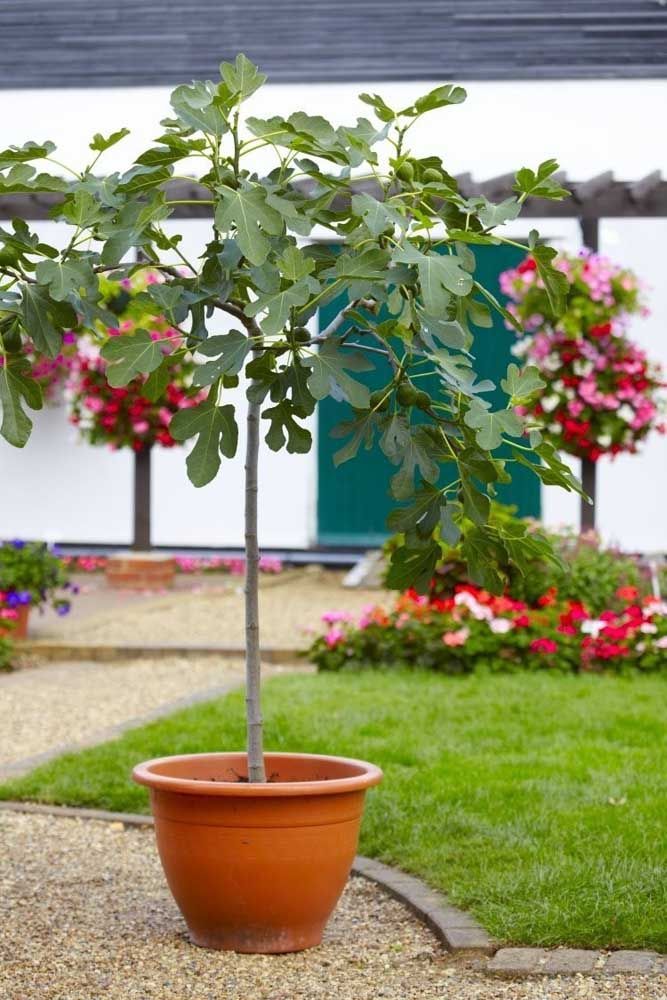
[460, 934]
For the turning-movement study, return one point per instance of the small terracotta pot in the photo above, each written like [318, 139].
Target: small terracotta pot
[257, 867]
[20, 624]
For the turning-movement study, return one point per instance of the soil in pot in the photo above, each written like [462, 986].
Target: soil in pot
[257, 867]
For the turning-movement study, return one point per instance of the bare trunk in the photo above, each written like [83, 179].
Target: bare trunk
[588, 481]
[142, 500]
[253, 665]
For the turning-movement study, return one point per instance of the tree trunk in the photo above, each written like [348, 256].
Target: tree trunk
[588, 481]
[253, 666]
[142, 500]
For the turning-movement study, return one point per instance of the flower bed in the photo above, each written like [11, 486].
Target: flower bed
[476, 631]
[184, 564]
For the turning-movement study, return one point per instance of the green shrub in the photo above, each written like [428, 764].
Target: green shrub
[583, 571]
[6, 653]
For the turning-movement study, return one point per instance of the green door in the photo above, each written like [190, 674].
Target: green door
[353, 500]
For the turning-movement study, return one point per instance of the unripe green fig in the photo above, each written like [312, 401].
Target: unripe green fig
[406, 394]
[379, 399]
[431, 175]
[423, 400]
[406, 172]
[301, 335]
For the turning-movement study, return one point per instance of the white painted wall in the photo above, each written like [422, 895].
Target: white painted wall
[588, 126]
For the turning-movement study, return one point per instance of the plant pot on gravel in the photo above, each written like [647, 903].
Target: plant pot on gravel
[257, 848]
[257, 867]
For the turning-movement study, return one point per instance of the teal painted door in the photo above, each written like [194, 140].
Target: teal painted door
[353, 500]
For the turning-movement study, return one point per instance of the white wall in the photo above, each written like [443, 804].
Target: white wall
[588, 126]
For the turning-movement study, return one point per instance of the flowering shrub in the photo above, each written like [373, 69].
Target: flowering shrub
[602, 394]
[474, 630]
[32, 574]
[134, 415]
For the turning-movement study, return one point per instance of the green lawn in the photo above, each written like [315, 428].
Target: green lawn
[537, 802]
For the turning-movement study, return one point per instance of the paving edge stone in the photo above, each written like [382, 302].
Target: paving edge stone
[456, 930]
[517, 963]
[453, 928]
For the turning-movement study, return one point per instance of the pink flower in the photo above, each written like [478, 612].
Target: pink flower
[543, 645]
[661, 643]
[333, 637]
[457, 638]
[331, 617]
[93, 403]
[140, 426]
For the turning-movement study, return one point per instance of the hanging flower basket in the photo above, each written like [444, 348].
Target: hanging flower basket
[603, 394]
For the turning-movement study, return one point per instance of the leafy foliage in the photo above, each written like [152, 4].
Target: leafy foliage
[406, 268]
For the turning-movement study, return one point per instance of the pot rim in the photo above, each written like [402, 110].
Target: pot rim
[366, 776]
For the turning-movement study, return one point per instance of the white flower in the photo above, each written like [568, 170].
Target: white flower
[592, 626]
[521, 347]
[604, 440]
[550, 403]
[582, 367]
[626, 413]
[648, 628]
[554, 428]
[558, 385]
[551, 363]
[500, 625]
[477, 610]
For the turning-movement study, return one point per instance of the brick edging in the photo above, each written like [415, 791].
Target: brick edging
[456, 930]
[453, 928]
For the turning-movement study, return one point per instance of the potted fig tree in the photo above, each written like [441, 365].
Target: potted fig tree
[257, 846]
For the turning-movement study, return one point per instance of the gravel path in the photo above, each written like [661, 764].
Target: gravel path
[289, 604]
[85, 914]
[69, 703]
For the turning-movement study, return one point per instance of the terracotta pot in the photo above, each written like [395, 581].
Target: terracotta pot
[20, 629]
[257, 867]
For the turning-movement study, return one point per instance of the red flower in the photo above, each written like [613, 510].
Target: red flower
[522, 621]
[546, 600]
[627, 593]
[527, 265]
[600, 330]
[544, 646]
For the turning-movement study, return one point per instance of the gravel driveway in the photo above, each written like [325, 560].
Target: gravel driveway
[71, 703]
[290, 603]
